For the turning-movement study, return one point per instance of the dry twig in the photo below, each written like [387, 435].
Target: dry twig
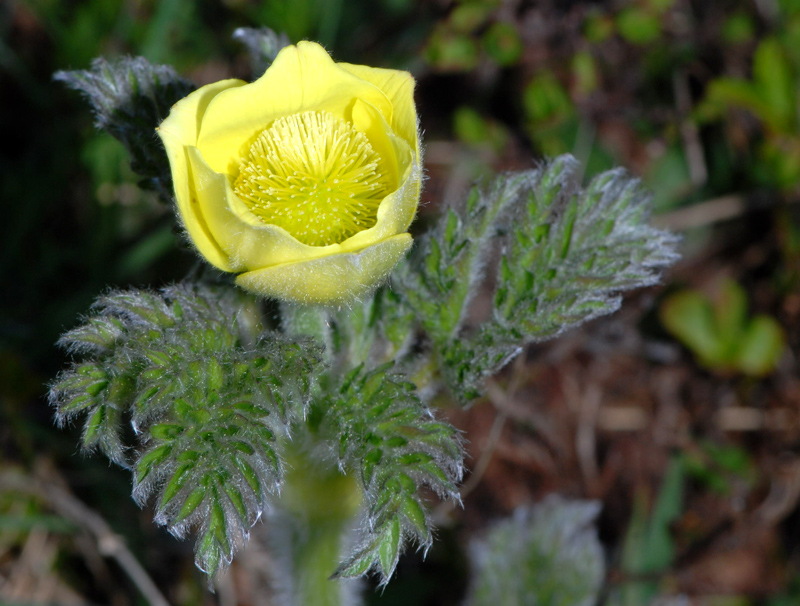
[70, 507]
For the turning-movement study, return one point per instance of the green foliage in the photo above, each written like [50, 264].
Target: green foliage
[638, 26]
[550, 113]
[771, 96]
[567, 253]
[391, 441]
[546, 555]
[738, 28]
[585, 73]
[369, 333]
[472, 128]
[467, 37]
[716, 466]
[300, 19]
[648, 548]
[219, 409]
[130, 97]
[452, 51]
[545, 99]
[720, 333]
[502, 43]
[598, 27]
[206, 399]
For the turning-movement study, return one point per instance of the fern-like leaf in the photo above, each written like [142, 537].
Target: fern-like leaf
[548, 554]
[206, 402]
[130, 98]
[566, 254]
[392, 442]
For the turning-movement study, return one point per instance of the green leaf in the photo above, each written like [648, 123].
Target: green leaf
[761, 347]
[773, 77]
[690, 317]
[356, 566]
[730, 311]
[546, 554]
[231, 427]
[648, 547]
[721, 335]
[208, 403]
[415, 514]
[567, 254]
[130, 98]
[546, 100]
[453, 256]
[190, 505]
[771, 96]
[150, 459]
[376, 411]
[502, 43]
[638, 26]
[175, 484]
[389, 550]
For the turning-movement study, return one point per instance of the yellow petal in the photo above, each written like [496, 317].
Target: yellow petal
[397, 210]
[302, 78]
[394, 151]
[399, 88]
[178, 130]
[185, 116]
[395, 213]
[331, 280]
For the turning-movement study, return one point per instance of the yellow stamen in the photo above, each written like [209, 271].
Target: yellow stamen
[315, 176]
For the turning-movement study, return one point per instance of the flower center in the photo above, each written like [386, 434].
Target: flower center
[315, 176]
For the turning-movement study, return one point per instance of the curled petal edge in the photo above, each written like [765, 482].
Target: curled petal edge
[332, 280]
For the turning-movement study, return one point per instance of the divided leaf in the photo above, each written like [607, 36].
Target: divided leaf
[566, 254]
[212, 465]
[450, 261]
[130, 97]
[391, 441]
[370, 332]
[207, 404]
[548, 554]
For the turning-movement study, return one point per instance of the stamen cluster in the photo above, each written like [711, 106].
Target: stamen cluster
[314, 175]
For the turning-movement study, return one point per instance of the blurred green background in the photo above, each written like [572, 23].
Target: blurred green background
[695, 440]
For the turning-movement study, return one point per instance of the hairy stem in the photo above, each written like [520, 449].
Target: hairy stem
[317, 509]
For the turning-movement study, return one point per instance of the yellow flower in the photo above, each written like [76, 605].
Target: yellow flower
[303, 182]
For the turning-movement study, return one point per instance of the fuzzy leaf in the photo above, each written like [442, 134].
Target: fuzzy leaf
[130, 98]
[548, 554]
[391, 441]
[454, 258]
[207, 402]
[566, 255]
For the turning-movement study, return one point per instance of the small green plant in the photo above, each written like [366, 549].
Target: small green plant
[649, 548]
[720, 332]
[475, 130]
[771, 97]
[470, 35]
[546, 555]
[317, 417]
[717, 466]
